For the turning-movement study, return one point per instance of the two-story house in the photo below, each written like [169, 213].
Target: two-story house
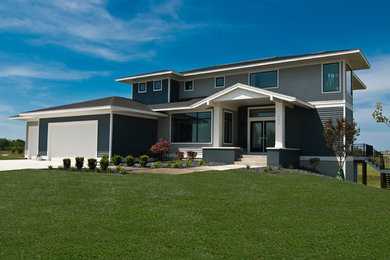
[275, 107]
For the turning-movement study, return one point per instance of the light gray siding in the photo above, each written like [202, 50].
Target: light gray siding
[330, 112]
[202, 88]
[348, 98]
[237, 78]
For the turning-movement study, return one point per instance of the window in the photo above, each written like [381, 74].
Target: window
[269, 112]
[220, 82]
[191, 127]
[267, 79]
[228, 128]
[157, 86]
[189, 86]
[141, 88]
[348, 80]
[330, 77]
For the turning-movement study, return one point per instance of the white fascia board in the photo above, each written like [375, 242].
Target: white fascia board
[60, 111]
[149, 75]
[124, 109]
[279, 62]
[359, 80]
[331, 103]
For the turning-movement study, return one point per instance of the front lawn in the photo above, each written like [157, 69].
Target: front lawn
[231, 214]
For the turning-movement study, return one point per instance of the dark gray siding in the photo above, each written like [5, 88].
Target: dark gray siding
[348, 98]
[349, 114]
[163, 126]
[242, 125]
[174, 95]
[150, 96]
[133, 135]
[103, 131]
[329, 168]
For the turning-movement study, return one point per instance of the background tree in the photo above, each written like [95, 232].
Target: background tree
[378, 114]
[340, 137]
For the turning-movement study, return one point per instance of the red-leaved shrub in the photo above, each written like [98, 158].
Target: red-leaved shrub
[161, 149]
[191, 154]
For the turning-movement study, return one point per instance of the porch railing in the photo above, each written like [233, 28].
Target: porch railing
[374, 156]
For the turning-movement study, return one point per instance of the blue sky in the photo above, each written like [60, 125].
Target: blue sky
[59, 52]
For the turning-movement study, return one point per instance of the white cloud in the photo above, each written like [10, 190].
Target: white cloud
[87, 26]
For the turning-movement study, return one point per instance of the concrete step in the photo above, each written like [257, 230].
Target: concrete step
[252, 159]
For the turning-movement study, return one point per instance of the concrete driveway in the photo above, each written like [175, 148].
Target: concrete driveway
[6, 165]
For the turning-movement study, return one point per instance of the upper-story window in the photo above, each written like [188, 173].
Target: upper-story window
[219, 82]
[189, 85]
[157, 86]
[268, 79]
[348, 79]
[330, 77]
[142, 87]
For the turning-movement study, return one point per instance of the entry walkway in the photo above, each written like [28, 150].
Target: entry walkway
[7, 165]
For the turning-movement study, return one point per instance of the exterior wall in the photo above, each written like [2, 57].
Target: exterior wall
[227, 156]
[242, 125]
[174, 93]
[327, 167]
[348, 114]
[133, 135]
[103, 131]
[237, 78]
[150, 96]
[28, 124]
[348, 98]
[202, 88]
[163, 128]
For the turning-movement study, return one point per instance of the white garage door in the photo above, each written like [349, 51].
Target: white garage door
[72, 139]
[32, 144]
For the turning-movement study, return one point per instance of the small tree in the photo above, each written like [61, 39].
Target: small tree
[378, 114]
[340, 138]
[161, 149]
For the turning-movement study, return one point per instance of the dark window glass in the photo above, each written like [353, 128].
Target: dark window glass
[219, 82]
[270, 112]
[331, 77]
[228, 127]
[191, 127]
[188, 85]
[267, 79]
[157, 85]
[141, 87]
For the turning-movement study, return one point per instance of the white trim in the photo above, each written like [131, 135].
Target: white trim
[193, 82]
[154, 84]
[169, 90]
[110, 140]
[28, 152]
[322, 77]
[146, 87]
[331, 103]
[263, 71]
[149, 75]
[215, 82]
[223, 125]
[256, 119]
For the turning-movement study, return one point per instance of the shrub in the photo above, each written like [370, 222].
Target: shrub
[97, 169]
[290, 166]
[85, 169]
[20, 149]
[177, 164]
[60, 167]
[66, 163]
[13, 149]
[72, 169]
[188, 163]
[109, 170]
[156, 164]
[314, 162]
[79, 162]
[265, 169]
[168, 165]
[105, 157]
[50, 167]
[203, 162]
[117, 159]
[92, 163]
[280, 167]
[191, 154]
[179, 155]
[122, 171]
[129, 160]
[118, 168]
[270, 169]
[248, 167]
[143, 160]
[161, 149]
[104, 163]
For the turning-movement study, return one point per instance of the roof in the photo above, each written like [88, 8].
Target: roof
[175, 105]
[355, 58]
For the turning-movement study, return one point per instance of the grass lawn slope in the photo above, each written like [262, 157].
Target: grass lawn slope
[232, 214]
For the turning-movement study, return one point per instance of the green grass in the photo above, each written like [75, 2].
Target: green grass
[7, 155]
[231, 214]
[373, 176]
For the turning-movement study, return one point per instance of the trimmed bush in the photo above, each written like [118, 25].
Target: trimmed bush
[203, 162]
[104, 163]
[248, 167]
[79, 162]
[129, 160]
[72, 169]
[143, 160]
[161, 149]
[191, 154]
[50, 167]
[122, 171]
[117, 160]
[118, 169]
[92, 162]
[156, 164]
[179, 155]
[66, 163]
[105, 157]
[177, 164]
[168, 165]
[188, 163]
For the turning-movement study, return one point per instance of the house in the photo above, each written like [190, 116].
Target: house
[274, 107]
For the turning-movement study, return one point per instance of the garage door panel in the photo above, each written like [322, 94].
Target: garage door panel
[72, 139]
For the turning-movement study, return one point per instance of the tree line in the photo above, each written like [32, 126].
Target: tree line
[12, 145]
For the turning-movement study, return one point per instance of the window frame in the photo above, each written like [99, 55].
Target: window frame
[215, 82]
[146, 87]
[185, 85]
[195, 111]
[154, 85]
[262, 71]
[322, 78]
[224, 132]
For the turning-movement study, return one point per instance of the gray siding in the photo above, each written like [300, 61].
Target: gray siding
[133, 135]
[348, 98]
[349, 114]
[163, 128]
[202, 88]
[238, 78]
[150, 96]
[103, 131]
[329, 168]
[175, 88]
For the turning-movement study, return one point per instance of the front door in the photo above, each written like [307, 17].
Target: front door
[262, 135]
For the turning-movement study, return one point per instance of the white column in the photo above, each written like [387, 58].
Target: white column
[280, 115]
[217, 126]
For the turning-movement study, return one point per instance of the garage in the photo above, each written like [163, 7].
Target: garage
[72, 139]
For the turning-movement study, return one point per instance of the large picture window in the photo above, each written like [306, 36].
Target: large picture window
[267, 79]
[228, 128]
[331, 77]
[191, 127]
